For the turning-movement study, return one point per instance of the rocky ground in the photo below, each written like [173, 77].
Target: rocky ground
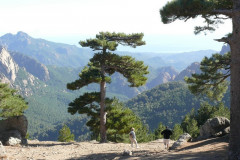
[210, 149]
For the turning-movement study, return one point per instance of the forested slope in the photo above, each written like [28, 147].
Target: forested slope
[167, 103]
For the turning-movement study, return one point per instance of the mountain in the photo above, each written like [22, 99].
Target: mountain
[164, 75]
[192, 69]
[59, 54]
[46, 52]
[225, 48]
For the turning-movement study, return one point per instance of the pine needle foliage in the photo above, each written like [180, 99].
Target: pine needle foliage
[11, 104]
[65, 134]
[213, 79]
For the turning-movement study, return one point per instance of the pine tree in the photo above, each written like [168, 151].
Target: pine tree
[11, 104]
[102, 66]
[177, 131]
[213, 79]
[65, 134]
[214, 12]
[120, 121]
[158, 131]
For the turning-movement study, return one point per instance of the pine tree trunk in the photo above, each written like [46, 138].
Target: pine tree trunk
[234, 145]
[103, 134]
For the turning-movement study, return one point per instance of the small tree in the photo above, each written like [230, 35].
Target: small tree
[158, 131]
[120, 120]
[190, 125]
[177, 131]
[11, 104]
[65, 134]
[102, 66]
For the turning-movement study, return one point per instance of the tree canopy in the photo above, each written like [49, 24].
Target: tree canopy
[11, 104]
[212, 81]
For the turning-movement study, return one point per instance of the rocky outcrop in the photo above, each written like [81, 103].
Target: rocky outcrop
[214, 127]
[13, 128]
[8, 67]
[225, 48]
[193, 68]
[31, 65]
[181, 140]
[165, 74]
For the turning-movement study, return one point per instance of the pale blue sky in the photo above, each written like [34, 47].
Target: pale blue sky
[69, 21]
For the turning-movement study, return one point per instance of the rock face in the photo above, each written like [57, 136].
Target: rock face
[193, 68]
[12, 129]
[165, 74]
[8, 67]
[182, 140]
[214, 127]
[31, 65]
[225, 48]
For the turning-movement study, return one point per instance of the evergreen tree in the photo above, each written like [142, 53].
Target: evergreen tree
[213, 79]
[214, 12]
[207, 111]
[177, 131]
[11, 104]
[158, 131]
[190, 125]
[65, 134]
[103, 65]
[120, 120]
[143, 134]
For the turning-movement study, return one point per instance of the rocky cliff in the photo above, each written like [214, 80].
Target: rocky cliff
[21, 72]
[164, 75]
[8, 67]
[193, 68]
[31, 65]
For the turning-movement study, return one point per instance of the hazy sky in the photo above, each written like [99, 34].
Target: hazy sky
[69, 21]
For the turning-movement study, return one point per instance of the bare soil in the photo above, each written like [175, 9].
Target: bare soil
[210, 149]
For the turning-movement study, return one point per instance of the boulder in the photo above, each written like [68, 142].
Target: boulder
[11, 137]
[19, 123]
[12, 129]
[215, 127]
[12, 141]
[181, 140]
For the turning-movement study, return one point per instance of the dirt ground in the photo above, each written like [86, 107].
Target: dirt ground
[210, 149]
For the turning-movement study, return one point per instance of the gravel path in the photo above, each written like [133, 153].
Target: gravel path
[49, 150]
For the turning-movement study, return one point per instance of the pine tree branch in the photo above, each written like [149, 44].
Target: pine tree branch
[224, 39]
[226, 12]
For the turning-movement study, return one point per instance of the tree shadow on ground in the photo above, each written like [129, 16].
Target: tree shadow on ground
[206, 142]
[50, 144]
[146, 155]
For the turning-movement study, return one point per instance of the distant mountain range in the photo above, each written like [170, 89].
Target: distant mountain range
[40, 70]
[59, 54]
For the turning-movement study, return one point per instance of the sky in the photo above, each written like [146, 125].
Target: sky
[69, 21]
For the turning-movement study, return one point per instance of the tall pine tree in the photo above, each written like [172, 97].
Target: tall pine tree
[213, 12]
[103, 65]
